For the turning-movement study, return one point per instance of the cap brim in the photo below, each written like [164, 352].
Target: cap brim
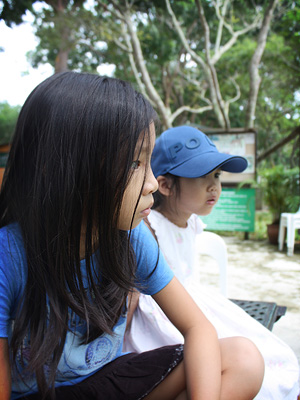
[205, 163]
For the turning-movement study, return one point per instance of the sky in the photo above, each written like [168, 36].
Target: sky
[17, 77]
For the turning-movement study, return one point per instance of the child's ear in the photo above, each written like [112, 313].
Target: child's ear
[164, 185]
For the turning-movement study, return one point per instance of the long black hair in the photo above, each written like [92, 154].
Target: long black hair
[68, 168]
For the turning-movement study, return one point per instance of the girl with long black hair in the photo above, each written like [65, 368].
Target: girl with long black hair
[77, 186]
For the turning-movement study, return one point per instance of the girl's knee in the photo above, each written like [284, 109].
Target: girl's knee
[242, 359]
[250, 353]
[243, 353]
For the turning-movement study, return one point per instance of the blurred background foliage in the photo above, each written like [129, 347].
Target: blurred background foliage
[195, 70]
[82, 35]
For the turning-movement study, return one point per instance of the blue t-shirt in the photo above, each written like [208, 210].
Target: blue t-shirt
[77, 361]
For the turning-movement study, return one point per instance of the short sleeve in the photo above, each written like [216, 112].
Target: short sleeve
[11, 277]
[153, 272]
[4, 302]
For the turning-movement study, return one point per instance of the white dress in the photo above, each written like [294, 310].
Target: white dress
[150, 328]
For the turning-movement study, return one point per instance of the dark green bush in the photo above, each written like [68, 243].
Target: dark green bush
[281, 191]
[8, 119]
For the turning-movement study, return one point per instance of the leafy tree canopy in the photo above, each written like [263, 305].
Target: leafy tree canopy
[13, 10]
[90, 37]
[8, 119]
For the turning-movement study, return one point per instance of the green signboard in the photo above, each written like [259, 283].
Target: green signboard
[235, 211]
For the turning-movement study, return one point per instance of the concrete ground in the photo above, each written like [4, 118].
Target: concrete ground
[258, 271]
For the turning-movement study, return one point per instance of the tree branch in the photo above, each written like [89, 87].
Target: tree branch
[122, 46]
[181, 35]
[182, 109]
[255, 78]
[208, 68]
[235, 98]
[282, 142]
[116, 11]
[220, 50]
[238, 91]
[200, 85]
[145, 77]
[133, 65]
[217, 100]
[221, 22]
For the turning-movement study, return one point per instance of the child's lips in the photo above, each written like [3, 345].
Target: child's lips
[211, 201]
[147, 210]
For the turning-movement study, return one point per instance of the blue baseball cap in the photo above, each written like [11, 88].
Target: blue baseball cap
[187, 152]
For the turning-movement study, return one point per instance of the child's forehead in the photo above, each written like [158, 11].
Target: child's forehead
[146, 140]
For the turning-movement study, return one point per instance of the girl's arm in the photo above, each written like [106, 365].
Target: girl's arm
[202, 358]
[5, 375]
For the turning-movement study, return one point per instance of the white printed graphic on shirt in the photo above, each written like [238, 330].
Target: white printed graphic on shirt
[82, 359]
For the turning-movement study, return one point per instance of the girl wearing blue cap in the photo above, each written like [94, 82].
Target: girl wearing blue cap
[187, 166]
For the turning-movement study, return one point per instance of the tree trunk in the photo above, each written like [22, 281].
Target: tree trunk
[61, 61]
[164, 111]
[255, 78]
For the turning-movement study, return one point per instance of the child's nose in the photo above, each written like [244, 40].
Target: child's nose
[212, 185]
[151, 184]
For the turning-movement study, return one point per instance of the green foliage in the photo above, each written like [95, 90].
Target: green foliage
[14, 10]
[262, 219]
[290, 25]
[277, 112]
[90, 37]
[8, 119]
[281, 189]
[72, 29]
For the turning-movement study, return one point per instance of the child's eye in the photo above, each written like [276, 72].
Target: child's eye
[217, 174]
[136, 164]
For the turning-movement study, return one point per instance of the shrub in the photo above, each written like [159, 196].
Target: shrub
[281, 190]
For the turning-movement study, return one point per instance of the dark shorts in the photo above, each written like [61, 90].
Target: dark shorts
[130, 377]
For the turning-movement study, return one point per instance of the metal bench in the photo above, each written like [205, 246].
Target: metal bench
[264, 312]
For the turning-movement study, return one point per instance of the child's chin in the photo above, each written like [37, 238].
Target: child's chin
[206, 212]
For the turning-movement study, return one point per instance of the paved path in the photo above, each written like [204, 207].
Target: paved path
[258, 271]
